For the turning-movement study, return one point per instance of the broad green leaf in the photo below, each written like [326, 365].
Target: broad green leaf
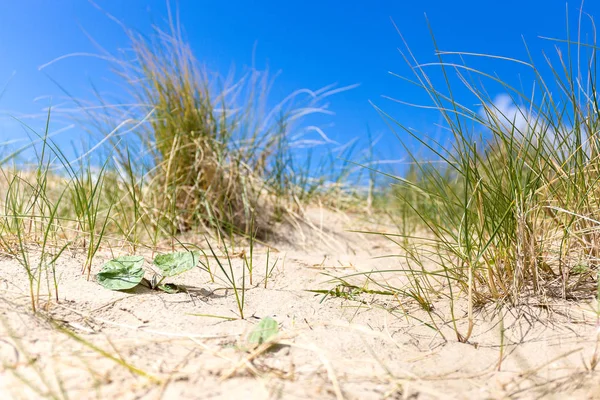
[121, 273]
[176, 263]
[170, 288]
[265, 330]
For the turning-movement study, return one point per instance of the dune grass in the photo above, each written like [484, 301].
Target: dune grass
[509, 209]
[211, 152]
[187, 151]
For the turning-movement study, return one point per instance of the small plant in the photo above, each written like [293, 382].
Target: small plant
[348, 291]
[269, 272]
[127, 272]
[249, 262]
[122, 273]
[240, 293]
[263, 332]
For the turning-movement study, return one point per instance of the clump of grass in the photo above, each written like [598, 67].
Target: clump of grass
[30, 215]
[514, 207]
[189, 150]
[229, 273]
[87, 201]
[212, 153]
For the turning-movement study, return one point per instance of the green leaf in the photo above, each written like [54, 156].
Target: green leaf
[176, 263]
[121, 273]
[265, 330]
[169, 288]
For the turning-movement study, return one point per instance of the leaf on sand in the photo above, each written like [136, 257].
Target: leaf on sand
[169, 288]
[176, 263]
[265, 330]
[121, 273]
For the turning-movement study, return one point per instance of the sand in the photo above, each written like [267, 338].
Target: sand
[353, 347]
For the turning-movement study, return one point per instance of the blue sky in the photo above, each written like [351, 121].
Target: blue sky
[313, 43]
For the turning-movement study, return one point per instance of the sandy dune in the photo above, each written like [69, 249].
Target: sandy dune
[349, 347]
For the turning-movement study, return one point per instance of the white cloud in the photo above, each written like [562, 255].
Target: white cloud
[505, 114]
